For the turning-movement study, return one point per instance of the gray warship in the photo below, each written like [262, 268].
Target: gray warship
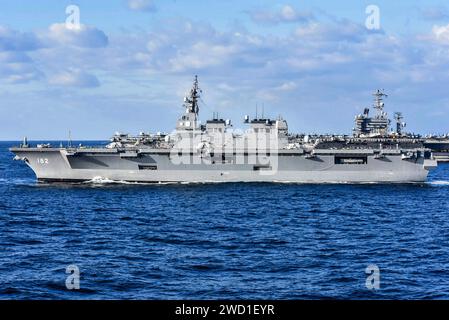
[263, 152]
[439, 146]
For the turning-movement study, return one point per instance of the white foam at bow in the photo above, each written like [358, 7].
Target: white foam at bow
[439, 183]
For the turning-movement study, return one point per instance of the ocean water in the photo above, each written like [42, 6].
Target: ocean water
[221, 241]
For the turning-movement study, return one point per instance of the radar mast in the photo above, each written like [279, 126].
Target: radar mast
[191, 100]
[189, 120]
[379, 104]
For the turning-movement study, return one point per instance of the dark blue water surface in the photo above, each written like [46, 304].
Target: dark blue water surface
[221, 241]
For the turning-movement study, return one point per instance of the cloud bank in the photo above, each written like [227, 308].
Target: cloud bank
[285, 14]
[318, 71]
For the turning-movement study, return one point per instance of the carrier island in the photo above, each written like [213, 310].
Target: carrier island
[263, 152]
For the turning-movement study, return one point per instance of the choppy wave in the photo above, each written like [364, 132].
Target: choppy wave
[17, 181]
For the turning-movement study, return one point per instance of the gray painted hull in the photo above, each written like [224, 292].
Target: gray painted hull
[59, 165]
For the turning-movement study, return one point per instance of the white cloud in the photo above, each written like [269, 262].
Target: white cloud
[289, 14]
[18, 67]
[283, 15]
[142, 5]
[12, 40]
[339, 31]
[441, 34]
[84, 37]
[226, 87]
[202, 55]
[327, 66]
[287, 86]
[25, 57]
[74, 78]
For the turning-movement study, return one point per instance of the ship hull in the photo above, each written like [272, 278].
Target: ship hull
[62, 166]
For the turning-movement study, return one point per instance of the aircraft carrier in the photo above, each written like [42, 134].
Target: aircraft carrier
[263, 152]
[439, 146]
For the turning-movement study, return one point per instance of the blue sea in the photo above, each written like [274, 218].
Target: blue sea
[222, 241]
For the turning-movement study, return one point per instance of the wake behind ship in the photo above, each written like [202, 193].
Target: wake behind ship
[265, 152]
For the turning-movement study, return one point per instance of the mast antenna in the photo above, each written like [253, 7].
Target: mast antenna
[379, 104]
[191, 101]
[70, 139]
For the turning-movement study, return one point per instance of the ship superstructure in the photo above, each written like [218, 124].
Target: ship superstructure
[378, 125]
[264, 152]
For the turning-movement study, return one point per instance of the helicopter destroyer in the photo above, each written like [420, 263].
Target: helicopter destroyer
[264, 152]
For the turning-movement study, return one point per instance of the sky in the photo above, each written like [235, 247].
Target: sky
[128, 64]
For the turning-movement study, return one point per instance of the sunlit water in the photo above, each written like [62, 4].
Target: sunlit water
[221, 241]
